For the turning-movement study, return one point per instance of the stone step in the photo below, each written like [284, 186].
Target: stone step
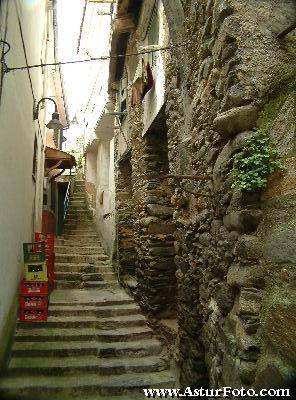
[80, 384]
[41, 334]
[124, 334]
[61, 241]
[104, 302]
[95, 275]
[84, 250]
[66, 284]
[79, 231]
[77, 197]
[78, 220]
[101, 311]
[139, 348]
[78, 204]
[76, 217]
[77, 214]
[78, 209]
[102, 267]
[79, 258]
[81, 237]
[92, 322]
[24, 366]
[75, 236]
[82, 225]
[59, 348]
[133, 394]
[95, 285]
[79, 276]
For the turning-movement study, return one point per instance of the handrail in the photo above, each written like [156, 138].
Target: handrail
[66, 204]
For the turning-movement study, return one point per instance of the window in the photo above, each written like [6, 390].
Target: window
[123, 96]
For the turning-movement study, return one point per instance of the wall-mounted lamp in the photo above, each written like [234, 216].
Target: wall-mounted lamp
[55, 122]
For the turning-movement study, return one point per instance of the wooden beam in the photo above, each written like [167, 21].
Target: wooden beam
[54, 167]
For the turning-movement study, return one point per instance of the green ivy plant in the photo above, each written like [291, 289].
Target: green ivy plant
[255, 162]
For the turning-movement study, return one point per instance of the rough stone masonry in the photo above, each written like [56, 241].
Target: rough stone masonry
[233, 253]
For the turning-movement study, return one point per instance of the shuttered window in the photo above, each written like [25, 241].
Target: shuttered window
[122, 96]
[153, 34]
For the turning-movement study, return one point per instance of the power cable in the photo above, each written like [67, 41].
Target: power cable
[102, 58]
[81, 26]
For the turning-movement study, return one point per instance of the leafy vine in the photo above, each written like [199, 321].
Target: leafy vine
[255, 162]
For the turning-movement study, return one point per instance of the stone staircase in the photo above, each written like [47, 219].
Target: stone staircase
[96, 344]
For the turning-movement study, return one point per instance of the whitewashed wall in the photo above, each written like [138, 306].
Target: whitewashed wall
[20, 194]
[99, 176]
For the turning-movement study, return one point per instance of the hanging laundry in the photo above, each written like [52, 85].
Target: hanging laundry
[137, 90]
[149, 81]
[143, 82]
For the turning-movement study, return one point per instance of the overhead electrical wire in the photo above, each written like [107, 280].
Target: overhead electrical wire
[102, 58]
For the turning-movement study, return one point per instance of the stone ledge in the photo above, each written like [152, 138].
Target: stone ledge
[236, 120]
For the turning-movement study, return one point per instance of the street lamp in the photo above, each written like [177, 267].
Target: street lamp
[55, 122]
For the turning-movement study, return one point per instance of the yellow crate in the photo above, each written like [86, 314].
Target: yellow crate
[35, 271]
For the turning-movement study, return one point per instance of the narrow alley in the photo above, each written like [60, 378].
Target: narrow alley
[147, 199]
[96, 339]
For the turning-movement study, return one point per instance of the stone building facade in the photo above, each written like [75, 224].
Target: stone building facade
[220, 260]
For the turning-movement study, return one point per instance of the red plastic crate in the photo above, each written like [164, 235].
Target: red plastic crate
[30, 288]
[48, 239]
[36, 315]
[33, 302]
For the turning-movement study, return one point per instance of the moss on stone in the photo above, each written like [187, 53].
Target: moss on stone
[281, 91]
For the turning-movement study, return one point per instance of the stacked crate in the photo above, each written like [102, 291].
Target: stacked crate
[34, 286]
[48, 240]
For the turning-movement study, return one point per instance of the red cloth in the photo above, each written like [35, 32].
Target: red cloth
[149, 80]
[142, 84]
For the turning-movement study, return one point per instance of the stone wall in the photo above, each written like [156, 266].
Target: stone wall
[234, 251]
[125, 218]
[230, 289]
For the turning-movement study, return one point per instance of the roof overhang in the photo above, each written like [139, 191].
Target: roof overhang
[124, 23]
[106, 124]
[57, 159]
